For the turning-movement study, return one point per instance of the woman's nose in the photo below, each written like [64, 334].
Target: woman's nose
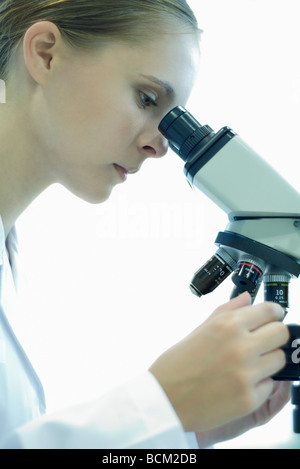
[155, 147]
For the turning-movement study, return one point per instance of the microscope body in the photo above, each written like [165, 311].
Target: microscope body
[261, 242]
[259, 203]
[263, 209]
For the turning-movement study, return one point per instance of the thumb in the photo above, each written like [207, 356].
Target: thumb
[239, 302]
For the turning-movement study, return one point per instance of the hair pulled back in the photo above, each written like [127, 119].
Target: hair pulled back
[84, 23]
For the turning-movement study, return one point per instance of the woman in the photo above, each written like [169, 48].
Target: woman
[87, 83]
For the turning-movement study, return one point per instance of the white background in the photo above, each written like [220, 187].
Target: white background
[107, 287]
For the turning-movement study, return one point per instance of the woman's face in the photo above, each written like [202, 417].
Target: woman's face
[96, 119]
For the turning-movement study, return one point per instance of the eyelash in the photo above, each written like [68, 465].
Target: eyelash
[144, 97]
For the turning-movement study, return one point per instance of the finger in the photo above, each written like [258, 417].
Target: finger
[263, 391]
[280, 396]
[256, 316]
[239, 302]
[269, 364]
[270, 337]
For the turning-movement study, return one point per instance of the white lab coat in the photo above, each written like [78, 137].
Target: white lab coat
[134, 415]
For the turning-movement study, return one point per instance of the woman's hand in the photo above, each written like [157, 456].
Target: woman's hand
[220, 373]
[274, 404]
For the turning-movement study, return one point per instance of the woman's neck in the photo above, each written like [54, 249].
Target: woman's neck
[22, 174]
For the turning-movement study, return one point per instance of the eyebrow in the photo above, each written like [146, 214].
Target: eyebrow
[163, 84]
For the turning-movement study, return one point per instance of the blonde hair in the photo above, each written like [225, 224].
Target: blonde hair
[83, 23]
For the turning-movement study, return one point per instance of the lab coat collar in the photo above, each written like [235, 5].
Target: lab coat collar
[10, 245]
[2, 241]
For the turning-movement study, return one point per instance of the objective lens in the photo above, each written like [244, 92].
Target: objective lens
[248, 273]
[277, 289]
[239, 290]
[248, 276]
[213, 273]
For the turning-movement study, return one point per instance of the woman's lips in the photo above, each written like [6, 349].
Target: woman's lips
[121, 171]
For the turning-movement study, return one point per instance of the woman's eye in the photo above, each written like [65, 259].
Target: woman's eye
[147, 100]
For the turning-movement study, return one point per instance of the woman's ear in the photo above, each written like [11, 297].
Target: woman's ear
[41, 43]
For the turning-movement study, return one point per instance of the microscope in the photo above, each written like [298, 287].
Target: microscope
[261, 242]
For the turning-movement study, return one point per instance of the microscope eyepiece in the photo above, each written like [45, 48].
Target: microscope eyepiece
[184, 132]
